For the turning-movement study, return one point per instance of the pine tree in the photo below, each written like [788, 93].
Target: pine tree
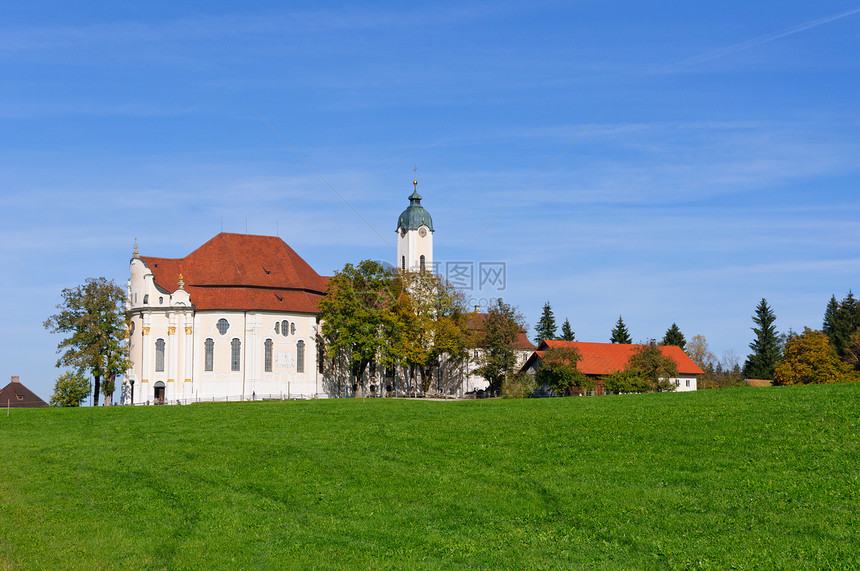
[545, 328]
[841, 320]
[766, 347]
[674, 336]
[620, 333]
[567, 333]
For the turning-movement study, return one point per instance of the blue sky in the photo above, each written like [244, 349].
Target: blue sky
[666, 162]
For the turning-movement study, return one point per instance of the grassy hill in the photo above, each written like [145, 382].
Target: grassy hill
[743, 478]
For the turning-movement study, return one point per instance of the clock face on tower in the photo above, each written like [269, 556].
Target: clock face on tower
[422, 232]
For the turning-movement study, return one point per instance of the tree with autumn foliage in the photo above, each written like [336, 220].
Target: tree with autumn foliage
[430, 318]
[809, 358]
[93, 314]
[372, 315]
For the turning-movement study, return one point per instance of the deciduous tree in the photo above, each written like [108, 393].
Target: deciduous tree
[766, 347]
[431, 318]
[93, 314]
[70, 389]
[557, 370]
[699, 352]
[620, 333]
[649, 363]
[810, 358]
[501, 328]
[358, 321]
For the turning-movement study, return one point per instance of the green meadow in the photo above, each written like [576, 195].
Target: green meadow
[735, 478]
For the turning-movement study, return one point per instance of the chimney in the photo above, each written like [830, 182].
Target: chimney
[477, 309]
[653, 342]
[16, 379]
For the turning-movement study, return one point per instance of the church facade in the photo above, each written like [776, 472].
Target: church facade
[235, 319]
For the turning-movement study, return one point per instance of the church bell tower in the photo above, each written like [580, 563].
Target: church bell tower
[415, 236]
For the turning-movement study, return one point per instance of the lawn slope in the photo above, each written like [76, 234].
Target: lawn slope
[750, 478]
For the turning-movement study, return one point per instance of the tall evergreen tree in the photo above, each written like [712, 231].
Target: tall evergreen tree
[841, 320]
[545, 328]
[620, 333]
[674, 336]
[766, 346]
[567, 333]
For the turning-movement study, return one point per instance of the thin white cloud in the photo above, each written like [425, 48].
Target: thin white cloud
[757, 41]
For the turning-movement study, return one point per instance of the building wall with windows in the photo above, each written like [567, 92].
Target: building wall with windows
[234, 319]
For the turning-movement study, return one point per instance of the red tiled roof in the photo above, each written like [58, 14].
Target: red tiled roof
[16, 394]
[608, 358]
[242, 272]
[475, 323]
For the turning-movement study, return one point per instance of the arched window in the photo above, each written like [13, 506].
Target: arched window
[267, 359]
[285, 327]
[292, 328]
[300, 356]
[209, 354]
[235, 355]
[159, 355]
[277, 326]
[402, 264]
[223, 325]
[422, 263]
[145, 299]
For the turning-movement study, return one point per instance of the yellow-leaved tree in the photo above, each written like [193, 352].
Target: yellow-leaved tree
[810, 358]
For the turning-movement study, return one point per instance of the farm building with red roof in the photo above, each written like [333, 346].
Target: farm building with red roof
[598, 360]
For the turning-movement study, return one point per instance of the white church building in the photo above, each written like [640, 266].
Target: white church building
[236, 319]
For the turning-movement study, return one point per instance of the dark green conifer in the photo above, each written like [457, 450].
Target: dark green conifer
[841, 320]
[567, 333]
[620, 333]
[766, 347]
[674, 336]
[545, 328]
